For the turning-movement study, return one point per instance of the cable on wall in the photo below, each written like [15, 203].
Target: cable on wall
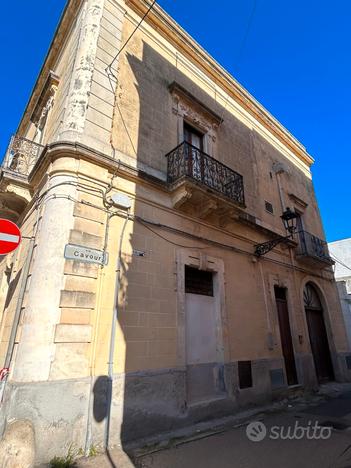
[109, 67]
[241, 48]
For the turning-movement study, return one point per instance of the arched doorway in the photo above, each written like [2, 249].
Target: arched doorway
[318, 334]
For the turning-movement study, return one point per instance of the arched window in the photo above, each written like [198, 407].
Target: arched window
[311, 298]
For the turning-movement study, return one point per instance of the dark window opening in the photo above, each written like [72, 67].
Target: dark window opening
[269, 207]
[280, 293]
[245, 374]
[193, 136]
[198, 281]
[299, 222]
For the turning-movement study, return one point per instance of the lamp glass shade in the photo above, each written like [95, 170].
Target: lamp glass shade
[289, 220]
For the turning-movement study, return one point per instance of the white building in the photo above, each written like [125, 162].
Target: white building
[341, 251]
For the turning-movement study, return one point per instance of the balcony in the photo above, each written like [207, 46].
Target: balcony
[18, 162]
[313, 251]
[21, 155]
[195, 177]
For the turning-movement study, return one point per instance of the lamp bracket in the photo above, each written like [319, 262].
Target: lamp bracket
[265, 247]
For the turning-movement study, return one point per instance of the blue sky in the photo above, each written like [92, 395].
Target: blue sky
[296, 62]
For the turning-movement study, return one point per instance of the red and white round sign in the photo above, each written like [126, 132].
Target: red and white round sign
[10, 236]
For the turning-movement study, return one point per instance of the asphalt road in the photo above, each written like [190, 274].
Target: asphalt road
[308, 445]
[315, 435]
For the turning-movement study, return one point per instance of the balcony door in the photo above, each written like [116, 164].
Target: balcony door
[194, 159]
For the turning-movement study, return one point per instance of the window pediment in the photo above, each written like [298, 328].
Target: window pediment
[189, 107]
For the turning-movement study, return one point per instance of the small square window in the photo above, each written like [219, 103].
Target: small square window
[198, 281]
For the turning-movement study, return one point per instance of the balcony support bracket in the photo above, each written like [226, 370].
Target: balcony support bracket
[181, 196]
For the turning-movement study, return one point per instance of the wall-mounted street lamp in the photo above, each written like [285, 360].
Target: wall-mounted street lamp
[289, 219]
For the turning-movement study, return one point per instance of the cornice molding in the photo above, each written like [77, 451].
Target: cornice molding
[183, 42]
[68, 149]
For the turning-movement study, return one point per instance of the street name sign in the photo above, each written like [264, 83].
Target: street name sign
[10, 236]
[85, 254]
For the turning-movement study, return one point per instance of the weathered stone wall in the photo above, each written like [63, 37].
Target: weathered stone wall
[119, 136]
[146, 128]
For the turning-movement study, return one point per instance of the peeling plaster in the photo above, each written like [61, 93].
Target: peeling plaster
[83, 72]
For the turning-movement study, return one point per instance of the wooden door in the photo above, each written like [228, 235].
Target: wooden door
[319, 345]
[285, 335]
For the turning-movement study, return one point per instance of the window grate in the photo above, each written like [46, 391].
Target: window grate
[198, 281]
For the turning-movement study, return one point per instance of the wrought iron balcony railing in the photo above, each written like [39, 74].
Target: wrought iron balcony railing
[187, 161]
[21, 155]
[312, 246]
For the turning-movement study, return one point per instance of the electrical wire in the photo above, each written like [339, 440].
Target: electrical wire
[109, 67]
[145, 224]
[246, 35]
[241, 48]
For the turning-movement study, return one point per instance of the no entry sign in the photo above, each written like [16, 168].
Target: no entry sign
[10, 236]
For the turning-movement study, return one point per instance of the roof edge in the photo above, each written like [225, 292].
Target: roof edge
[179, 38]
[66, 21]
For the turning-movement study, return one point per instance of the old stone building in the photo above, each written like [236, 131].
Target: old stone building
[143, 181]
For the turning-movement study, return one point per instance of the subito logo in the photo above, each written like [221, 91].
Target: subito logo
[256, 431]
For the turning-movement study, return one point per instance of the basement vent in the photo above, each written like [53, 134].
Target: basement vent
[269, 207]
[245, 374]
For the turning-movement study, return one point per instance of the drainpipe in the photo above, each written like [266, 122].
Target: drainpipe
[88, 436]
[113, 333]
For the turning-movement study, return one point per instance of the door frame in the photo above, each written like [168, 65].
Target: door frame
[275, 280]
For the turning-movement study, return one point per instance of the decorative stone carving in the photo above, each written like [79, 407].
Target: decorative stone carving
[207, 208]
[186, 106]
[180, 197]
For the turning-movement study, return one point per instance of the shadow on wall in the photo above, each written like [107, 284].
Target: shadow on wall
[102, 392]
[154, 387]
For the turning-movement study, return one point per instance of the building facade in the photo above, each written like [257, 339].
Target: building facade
[143, 179]
[341, 252]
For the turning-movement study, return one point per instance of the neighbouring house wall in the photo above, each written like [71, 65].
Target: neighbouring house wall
[345, 299]
[341, 252]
